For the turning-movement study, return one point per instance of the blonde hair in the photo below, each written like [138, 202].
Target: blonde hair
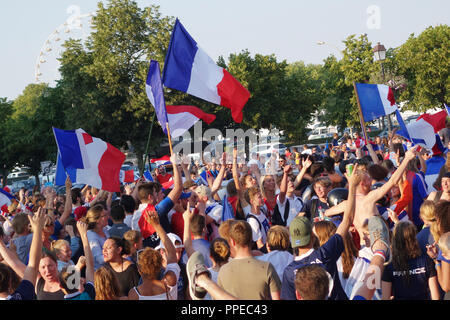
[106, 285]
[427, 211]
[132, 236]
[93, 215]
[278, 238]
[324, 230]
[219, 251]
[203, 191]
[59, 244]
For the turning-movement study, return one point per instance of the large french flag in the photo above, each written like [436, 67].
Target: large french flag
[155, 93]
[424, 130]
[89, 160]
[5, 201]
[376, 100]
[189, 69]
[182, 118]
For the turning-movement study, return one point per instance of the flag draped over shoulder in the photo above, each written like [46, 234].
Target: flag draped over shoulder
[189, 69]
[88, 160]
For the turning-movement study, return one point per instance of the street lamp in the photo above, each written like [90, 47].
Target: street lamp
[379, 54]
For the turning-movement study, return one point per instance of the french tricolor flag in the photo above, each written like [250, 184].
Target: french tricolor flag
[189, 69]
[5, 201]
[424, 130]
[161, 161]
[88, 160]
[182, 118]
[376, 100]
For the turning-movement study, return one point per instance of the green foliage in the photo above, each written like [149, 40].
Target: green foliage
[424, 62]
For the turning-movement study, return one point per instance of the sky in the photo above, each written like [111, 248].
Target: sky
[290, 29]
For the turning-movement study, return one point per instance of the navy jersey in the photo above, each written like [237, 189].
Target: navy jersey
[420, 270]
[326, 256]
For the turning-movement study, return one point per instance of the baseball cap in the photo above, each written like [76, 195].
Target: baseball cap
[173, 237]
[185, 195]
[300, 231]
[446, 175]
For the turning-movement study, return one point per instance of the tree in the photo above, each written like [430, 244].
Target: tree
[424, 62]
[104, 81]
[339, 100]
[6, 161]
[29, 134]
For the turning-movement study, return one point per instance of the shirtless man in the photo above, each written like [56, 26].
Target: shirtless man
[366, 200]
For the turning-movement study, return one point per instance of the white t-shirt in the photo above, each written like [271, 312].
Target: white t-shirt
[295, 206]
[257, 231]
[128, 220]
[279, 260]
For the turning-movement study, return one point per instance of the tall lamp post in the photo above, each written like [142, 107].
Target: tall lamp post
[379, 54]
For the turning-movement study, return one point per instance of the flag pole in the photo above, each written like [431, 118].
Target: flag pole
[363, 126]
[169, 137]
[148, 140]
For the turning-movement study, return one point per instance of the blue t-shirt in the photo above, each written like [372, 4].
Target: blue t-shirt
[420, 270]
[424, 237]
[87, 294]
[25, 291]
[326, 256]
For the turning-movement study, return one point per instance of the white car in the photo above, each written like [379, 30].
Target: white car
[268, 148]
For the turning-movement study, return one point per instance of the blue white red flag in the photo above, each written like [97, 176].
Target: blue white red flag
[189, 69]
[89, 160]
[376, 100]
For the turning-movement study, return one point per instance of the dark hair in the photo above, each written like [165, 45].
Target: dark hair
[388, 164]
[328, 163]
[312, 282]
[76, 193]
[121, 243]
[9, 280]
[72, 222]
[128, 203]
[117, 213]
[316, 169]
[398, 147]
[377, 172]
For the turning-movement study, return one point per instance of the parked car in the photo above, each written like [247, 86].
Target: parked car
[268, 148]
[320, 133]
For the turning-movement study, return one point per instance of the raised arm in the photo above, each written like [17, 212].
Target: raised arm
[236, 180]
[306, 163]
[349, 211]
[372, 153]
[153, 219]
[377, 194]
[284, 183]
[174, 195]
[12, 259]
[187, 240]
[217, 184]
[82, 229]
[68, 203]
[37, 224]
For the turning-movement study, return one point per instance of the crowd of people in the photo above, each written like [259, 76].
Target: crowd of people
[307, 224]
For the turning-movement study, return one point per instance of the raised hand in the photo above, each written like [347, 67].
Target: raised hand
[151, 217]
[37, 221]
[306, 163]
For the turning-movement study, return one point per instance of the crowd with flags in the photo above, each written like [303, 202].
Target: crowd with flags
[316, 221]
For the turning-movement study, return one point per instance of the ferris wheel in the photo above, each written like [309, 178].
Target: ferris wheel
[77, 26]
